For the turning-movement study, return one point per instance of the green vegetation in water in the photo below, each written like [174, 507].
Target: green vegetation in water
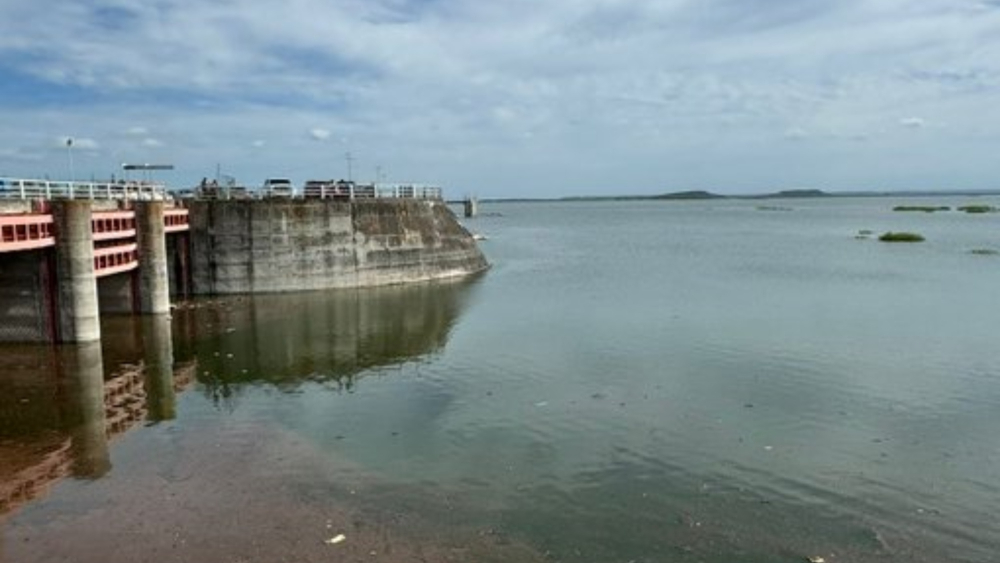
[901, 237]
[977, 208]
[984, 252]
[923, 208]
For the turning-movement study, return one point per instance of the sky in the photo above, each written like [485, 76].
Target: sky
[509, 98]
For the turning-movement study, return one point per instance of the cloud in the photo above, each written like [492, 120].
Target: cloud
[22, 154]
[319, 134]
[912, 122]
[795, 133]
[152, 143]
[606, 88]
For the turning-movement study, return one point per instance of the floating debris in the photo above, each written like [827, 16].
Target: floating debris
[336, 539]
[901, 237]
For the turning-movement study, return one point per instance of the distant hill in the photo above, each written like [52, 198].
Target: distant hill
[691, 194]
[799, 193]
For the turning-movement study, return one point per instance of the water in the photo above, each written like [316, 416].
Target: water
[632, 381]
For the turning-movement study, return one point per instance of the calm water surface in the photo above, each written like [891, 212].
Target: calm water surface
[674, 381]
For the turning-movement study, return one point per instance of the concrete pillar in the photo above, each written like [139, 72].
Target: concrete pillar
[78, 313]
[154, 280]
[471, 207]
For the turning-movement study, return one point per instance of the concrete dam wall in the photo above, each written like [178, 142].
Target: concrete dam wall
[294, 245]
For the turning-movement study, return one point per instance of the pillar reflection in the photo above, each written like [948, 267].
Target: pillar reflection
[158, 352]
[82, 370]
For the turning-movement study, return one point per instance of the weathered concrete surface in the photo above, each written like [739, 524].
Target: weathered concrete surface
[78, 311]
[154, 280]
[279, 246]
[25, 306]
[115, 294]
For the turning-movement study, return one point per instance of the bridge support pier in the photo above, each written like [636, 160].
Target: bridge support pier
[471, 207]
[154, 279]
[78, 310]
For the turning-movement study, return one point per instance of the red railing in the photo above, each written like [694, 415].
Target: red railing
[175, 220]
[109, 225]
[25, 232]
[30, 231]
[109, 260]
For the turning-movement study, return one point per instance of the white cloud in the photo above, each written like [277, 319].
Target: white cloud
[912, 122]
[795, 133]
[319, 134]
[152, 143]
[656, 91]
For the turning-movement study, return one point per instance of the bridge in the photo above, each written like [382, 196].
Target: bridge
[71, 250]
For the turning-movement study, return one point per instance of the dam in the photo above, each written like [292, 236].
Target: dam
[71, 251]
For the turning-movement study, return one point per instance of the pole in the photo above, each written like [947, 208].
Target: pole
[69, 153]
[349, 159]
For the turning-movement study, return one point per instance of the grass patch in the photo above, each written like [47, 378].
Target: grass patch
[984, 252]
[977, 208]
[922, 208]
[901, 237]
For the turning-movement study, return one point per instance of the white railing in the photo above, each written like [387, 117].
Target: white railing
[414, 191]
[22, 188]
[352, 190]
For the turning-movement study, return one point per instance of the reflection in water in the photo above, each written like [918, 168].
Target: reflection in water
[323, 336]
[157, 341]
[60, 408]
[82, 370]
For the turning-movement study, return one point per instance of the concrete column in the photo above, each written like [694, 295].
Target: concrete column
[471, 207]
[78, 313]
[154, 280]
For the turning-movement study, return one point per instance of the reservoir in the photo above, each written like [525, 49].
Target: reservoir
[654, 381]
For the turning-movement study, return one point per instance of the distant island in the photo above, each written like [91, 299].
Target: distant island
[802, 193]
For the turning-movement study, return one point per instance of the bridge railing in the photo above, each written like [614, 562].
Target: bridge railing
[411, 191]
[23, 188]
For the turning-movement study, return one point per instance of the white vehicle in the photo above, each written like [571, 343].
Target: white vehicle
[277, 187]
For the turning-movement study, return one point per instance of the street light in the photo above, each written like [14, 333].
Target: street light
[69, 153]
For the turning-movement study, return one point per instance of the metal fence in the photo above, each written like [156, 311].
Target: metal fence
[22, 188]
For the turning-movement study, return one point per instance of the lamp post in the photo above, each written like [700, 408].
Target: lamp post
[349, 159]
[69, 153]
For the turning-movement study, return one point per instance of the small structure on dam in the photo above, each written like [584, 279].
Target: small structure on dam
[72, 250]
